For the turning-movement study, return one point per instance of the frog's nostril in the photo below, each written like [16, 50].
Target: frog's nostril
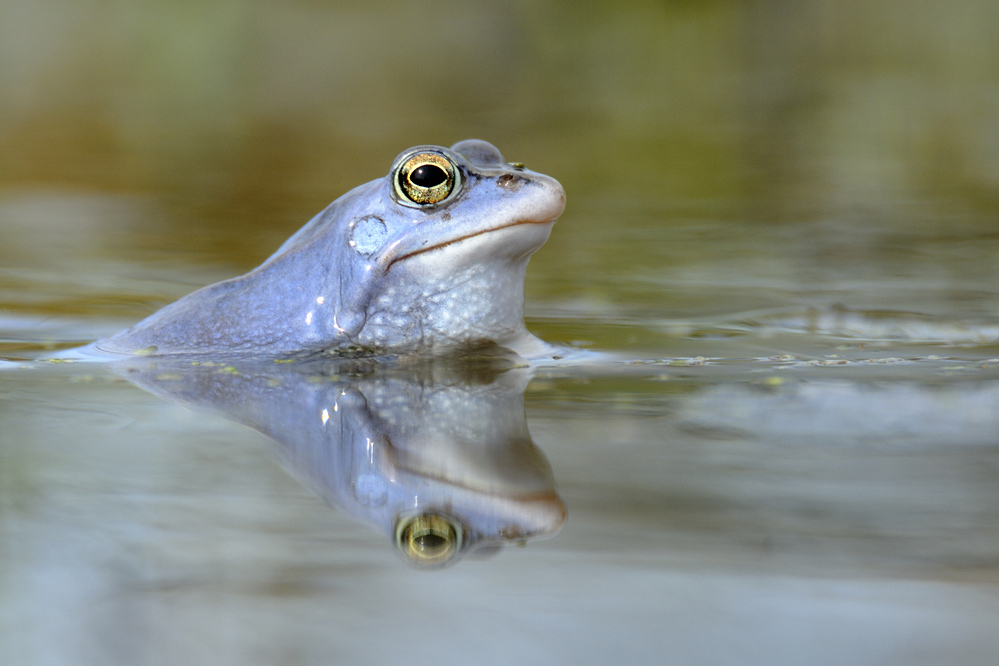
[510, 182]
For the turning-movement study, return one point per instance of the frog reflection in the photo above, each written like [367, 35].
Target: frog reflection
[438, 457]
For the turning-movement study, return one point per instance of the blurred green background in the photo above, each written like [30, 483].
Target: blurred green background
[774, 151]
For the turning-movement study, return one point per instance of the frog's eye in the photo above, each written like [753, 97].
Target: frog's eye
[428, 540]
[426, 178]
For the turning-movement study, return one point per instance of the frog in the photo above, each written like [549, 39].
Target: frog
[429, 259]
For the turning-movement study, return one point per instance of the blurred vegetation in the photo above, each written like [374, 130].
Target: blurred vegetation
[240, 119]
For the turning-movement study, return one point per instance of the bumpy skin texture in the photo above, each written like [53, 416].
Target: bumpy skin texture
[374, 271]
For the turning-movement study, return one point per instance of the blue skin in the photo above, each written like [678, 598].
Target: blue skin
[380, 272]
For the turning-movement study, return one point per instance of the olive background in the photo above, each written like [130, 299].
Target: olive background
[790, 143]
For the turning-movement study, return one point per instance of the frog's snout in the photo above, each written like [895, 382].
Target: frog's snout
[552, 203]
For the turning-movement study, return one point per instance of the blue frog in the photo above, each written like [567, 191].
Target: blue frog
[427, 260]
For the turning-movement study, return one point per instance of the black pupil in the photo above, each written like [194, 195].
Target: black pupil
[427, 175]
[430, 542]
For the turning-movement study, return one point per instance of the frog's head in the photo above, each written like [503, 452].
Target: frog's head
[440, 251]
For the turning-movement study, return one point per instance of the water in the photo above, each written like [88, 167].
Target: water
[780, 236]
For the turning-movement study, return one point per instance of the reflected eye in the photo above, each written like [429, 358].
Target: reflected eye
[426, 179]
[428, 540]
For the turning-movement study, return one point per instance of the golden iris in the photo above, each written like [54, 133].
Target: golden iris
[427, 178]
[428, 539]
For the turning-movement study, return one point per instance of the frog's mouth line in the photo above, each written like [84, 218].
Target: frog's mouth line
[459, 239]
